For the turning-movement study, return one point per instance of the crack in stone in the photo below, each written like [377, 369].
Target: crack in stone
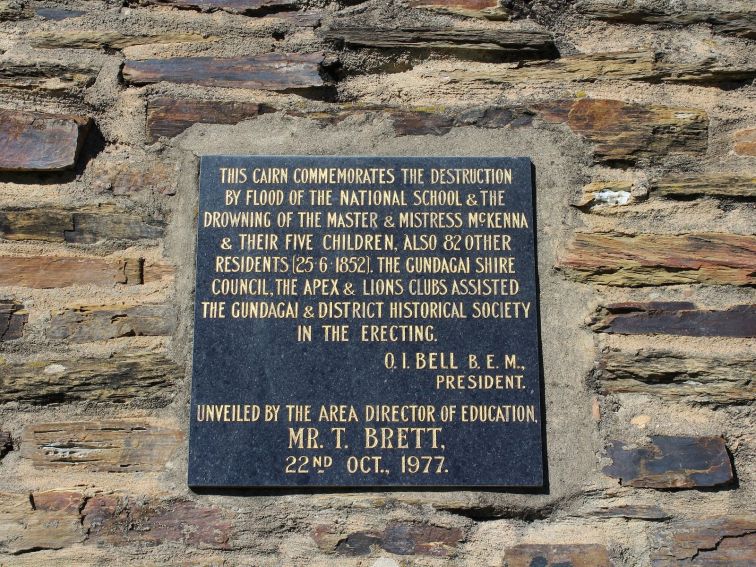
[719, 541]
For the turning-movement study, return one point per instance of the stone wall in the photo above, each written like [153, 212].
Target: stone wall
[640, 117]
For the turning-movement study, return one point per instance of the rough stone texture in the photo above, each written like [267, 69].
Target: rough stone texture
[507, 44]
[688, 376]
[545, 555]
[46, 272]
[85, 323]
[726, 540]
[13, 10]
[627, 133]
[95, 39]
[103, 446]
[647, 259]
[486, 9]
[169, 117]
[671, 462]
[733, 18]
[249, 7]
[138, 378]
[745, 142]
[117, 520]
[40, 142]
[639, 118]
[25, 529]
[123, 176]
[421, 122]
[631, 512]
[13, 317]
[397, 538]
[270, 71]
[56, 519]
[739, 186]
[620, 65]
[81, 226]
[675, 318]
[48, 77]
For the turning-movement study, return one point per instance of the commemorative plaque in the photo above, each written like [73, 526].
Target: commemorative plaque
[366, 321]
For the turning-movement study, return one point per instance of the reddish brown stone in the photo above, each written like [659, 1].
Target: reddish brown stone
[675, 318]
[170, 116]
[745, 142]
[248, 7]
[59, 519]
[132, 173]
[27, 529]
[13, 318]
[269, 71]
[659, 259]
[419, 123]
[40, 142]
[117, 446]
[727, 541]
[671, 462]
[625, 133]
[85, 323]
[157, 271]
[44, 272]
[121, 520]
[58, 501]
[546, 555]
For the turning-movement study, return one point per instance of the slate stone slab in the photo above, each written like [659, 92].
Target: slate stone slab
[40, 142]
[509, 43]
[672, 462]
[248, 7]
[660, 259]
[243, 363]
[561, 555]
[675, 318]
[133, 378]
[268, 71]
[112, 445]
[13, 318]
[85, 323]
[169, 117]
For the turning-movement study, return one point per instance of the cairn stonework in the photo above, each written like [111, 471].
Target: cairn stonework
[638, 118]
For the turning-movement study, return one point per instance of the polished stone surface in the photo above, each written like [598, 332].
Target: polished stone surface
[258, 362]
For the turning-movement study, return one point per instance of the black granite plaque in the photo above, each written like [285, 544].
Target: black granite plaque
[366, 321]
